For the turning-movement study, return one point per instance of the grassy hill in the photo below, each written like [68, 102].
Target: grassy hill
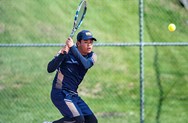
[112, 85]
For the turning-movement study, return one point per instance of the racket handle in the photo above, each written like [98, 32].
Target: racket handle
[64, 52]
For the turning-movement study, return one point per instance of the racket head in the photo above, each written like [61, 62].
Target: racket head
[79, 16]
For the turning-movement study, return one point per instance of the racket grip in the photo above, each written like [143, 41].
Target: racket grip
[64, 52]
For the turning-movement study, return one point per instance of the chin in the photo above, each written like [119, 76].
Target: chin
[89, 51]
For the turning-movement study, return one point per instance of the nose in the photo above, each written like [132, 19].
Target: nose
[89, 44]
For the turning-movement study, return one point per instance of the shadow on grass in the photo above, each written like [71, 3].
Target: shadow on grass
[161, 92]
[157, 72]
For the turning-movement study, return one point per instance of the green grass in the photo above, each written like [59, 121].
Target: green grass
[111, 87]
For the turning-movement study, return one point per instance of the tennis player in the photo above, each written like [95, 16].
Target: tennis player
[72, 63]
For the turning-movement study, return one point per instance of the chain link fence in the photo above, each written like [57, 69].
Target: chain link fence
[31, 34]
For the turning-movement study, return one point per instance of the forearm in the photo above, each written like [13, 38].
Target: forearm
[54, 63]
[87, 63]
[58, 59]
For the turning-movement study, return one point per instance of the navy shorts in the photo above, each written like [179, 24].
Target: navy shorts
[69, 103]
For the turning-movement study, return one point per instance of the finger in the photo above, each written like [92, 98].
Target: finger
[69, 38]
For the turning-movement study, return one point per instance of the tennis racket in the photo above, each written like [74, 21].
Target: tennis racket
[79, 16]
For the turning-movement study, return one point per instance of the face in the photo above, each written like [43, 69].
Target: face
[85, 46]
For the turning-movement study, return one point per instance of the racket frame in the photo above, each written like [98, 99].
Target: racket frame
[76, 24]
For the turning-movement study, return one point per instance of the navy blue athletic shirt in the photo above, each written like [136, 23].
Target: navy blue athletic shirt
[73, 66]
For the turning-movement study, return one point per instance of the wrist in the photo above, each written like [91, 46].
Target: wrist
[62, 51]
[71, 45]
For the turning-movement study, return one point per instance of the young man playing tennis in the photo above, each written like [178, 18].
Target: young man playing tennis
[72, 62]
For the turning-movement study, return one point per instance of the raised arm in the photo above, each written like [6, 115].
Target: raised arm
[87, 62]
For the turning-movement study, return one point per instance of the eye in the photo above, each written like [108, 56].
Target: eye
[91, 41]
[88, 41]
[85, 42]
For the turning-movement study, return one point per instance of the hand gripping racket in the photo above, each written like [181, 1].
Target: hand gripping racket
[79, 16]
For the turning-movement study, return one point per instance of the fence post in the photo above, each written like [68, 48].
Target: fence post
[141, 37]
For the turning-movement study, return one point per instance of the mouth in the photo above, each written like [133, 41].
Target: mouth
[89, 48]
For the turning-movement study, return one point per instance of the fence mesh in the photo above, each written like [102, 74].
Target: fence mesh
[31, 34]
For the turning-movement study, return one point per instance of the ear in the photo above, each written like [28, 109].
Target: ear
[78, 43]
